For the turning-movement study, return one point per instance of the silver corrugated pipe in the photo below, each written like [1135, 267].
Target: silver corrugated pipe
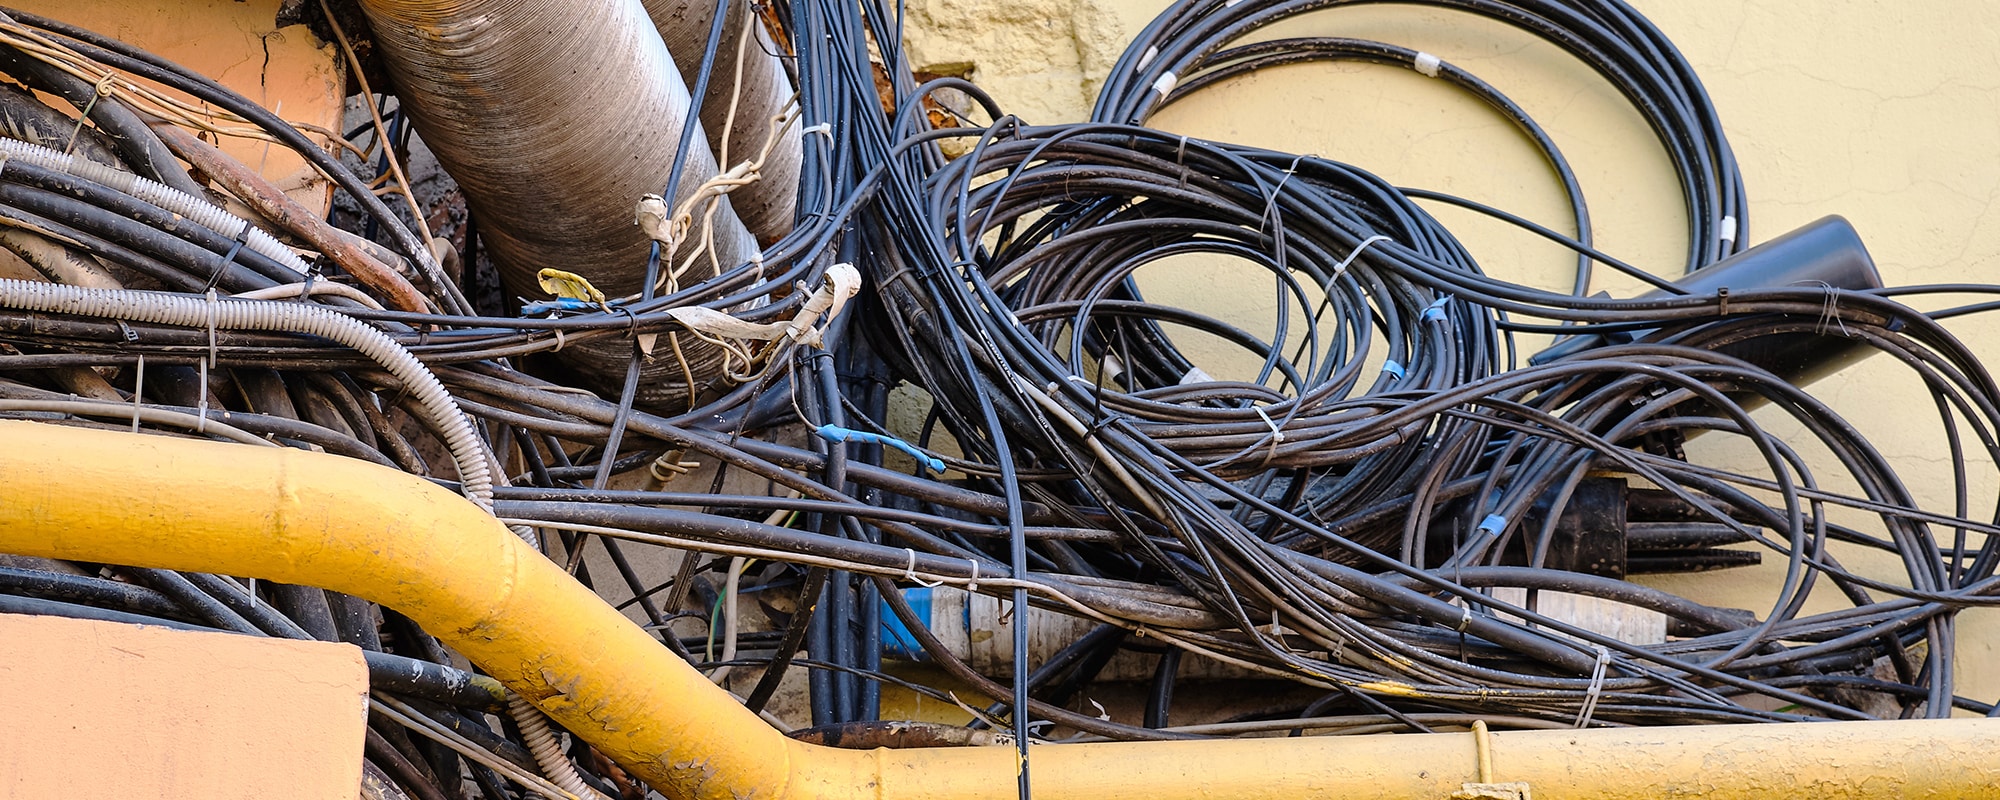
[766, 206]
[555, 117]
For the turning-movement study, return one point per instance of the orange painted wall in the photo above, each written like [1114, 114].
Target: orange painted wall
[236, 43]
[107, 710]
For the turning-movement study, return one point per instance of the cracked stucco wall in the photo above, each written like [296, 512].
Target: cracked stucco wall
[1880, 111]
[237, 43]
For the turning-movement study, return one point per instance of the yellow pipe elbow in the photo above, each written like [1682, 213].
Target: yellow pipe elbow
[304, 518]
[298, 517]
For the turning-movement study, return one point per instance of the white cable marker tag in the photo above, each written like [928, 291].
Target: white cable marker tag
[1195, 375]
[1728, 232]
[1165, 85]
[1427, 65]
[1151, 53]
[1231, 3]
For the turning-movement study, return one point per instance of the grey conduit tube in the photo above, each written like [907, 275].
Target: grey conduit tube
[555, 117]
[767, 206]
[202, 212]
[468, 451]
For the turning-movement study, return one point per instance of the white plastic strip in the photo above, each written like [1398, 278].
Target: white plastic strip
[1427, 65]
[843, 281]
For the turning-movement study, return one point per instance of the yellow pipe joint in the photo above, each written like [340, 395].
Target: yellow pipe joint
[318, 520]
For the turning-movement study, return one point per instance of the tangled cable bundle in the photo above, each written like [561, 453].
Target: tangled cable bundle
[1378, 510]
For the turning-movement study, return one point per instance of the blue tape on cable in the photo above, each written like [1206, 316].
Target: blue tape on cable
[838, 435]
[540, 307]
[1493, 524]
[1392, 369]
[897, 640]
[1435, 311]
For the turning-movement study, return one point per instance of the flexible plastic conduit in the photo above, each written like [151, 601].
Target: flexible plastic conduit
[317, 520]
[202, 212]
[468, 451]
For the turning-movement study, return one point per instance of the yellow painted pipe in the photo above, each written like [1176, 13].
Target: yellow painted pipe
[304, 518]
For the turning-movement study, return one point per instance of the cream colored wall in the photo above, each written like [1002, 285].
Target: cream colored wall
[1885, 112]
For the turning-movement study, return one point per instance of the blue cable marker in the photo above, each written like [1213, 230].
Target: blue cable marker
[1493, 524]
[1392, 369]
[838, 435]
[1435, 311]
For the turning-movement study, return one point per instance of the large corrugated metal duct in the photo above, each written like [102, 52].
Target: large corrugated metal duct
[555, 117]
[767, 206]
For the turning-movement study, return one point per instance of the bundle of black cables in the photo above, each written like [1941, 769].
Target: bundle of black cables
[1342, 517]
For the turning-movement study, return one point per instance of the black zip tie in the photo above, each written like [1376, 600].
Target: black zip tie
[242, 237]
[631, 322]
[1090, 431]
[306, 288]
[1180, 160]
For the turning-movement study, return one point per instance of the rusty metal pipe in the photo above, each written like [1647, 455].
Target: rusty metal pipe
[257, 193]
[312, 519]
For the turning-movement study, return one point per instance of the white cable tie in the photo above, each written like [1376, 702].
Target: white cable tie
[1345, 262]
[201, 424]
[1277, 436]
[910, 572]
[201, 403]
[1231, 3]
[1590, 697]
[1728, 232]
[1147, 58]
[1166, 83]
[1427, 65]
[211, 327]
[1196, 375]
[825, 128]
[138, 388]
[972, 585]
[1465, 618]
